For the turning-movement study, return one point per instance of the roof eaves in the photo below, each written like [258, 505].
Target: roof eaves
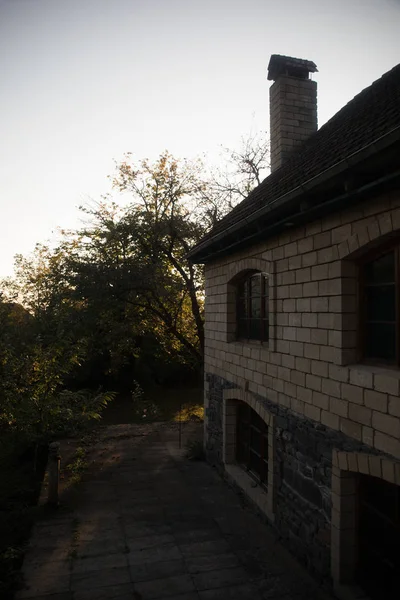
[349, 161]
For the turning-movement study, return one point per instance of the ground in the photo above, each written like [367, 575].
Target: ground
[142, 522]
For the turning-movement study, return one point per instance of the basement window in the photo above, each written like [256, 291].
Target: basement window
[253, 308]
[378, 569]
[252, 443]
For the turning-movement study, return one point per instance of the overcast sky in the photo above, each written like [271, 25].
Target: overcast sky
[84, 81]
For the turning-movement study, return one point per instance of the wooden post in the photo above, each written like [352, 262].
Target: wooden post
[180, 425]
[54, 473]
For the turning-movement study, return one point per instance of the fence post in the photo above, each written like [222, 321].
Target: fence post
[180, 425]
[54, 473]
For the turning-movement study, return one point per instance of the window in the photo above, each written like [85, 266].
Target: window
[379, 327]
[378, 568]
[252, 443]
[252, 308]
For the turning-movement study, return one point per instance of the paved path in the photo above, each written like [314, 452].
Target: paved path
[147, 524]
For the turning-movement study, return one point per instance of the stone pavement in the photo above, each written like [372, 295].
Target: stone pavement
[146, 523]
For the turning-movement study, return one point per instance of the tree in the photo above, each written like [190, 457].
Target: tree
[241, 171]
[37, 353]
[121, 289]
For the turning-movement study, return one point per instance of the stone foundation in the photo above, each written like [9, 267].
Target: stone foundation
[302, 472]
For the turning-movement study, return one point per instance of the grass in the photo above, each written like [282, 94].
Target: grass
[195, 450]
[164, 403]
[188, 412]
[77, 467]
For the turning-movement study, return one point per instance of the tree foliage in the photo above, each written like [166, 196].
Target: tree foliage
[117, 297]
[33, 368]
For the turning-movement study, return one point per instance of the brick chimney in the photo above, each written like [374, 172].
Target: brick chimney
[292, 105]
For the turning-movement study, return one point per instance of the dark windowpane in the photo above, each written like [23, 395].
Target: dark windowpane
[266, 306]
[265, 285]
[379, 312]
[257, 421]
[243, 413]
[255, 285]
[242, 307]
[265, 448]
[246, 305]
[381, 303]
[255, 308]
[382, 496]
[242, 327]
[265, 326]
[381, 270]
[255, 464]
[378, 512]
[243, 288]
[255, 329]
[380, 341]
[255, 440]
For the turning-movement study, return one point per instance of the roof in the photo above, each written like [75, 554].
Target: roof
[373, 113]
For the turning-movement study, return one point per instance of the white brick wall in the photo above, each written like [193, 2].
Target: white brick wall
[310, 363]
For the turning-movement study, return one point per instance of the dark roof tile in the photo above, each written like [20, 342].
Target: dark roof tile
[373, 113]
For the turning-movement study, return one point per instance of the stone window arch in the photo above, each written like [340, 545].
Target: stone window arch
[262, 493]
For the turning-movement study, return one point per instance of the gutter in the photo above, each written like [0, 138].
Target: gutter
[350, 161]
[308, 215]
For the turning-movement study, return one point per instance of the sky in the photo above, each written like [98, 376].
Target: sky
[84, 81]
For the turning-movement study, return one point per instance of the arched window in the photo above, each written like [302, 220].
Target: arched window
[380, 310]
[253, 307]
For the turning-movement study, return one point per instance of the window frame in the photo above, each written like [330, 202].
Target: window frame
[253, 422]
[376, 253]
[264, 320]
[374, 550]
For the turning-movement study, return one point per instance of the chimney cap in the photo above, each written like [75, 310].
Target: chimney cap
[287, 65]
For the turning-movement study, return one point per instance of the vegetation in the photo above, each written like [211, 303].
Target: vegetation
[116, 306]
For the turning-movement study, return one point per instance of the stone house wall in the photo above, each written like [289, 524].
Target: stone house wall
[309, 374]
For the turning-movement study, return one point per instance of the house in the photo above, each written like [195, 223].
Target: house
[302, 350]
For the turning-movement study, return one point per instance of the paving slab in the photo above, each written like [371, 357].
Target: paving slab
[157, 570]
[220, 578]
[162, 588]
[199, 564]
[147, 524]
[242, 592]
[210, 547]
[113, 592]
[90, 580]
[158, 554]
[65, 596]
[100, 547]
[98, 563]
[138, 529]
[149, 541]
